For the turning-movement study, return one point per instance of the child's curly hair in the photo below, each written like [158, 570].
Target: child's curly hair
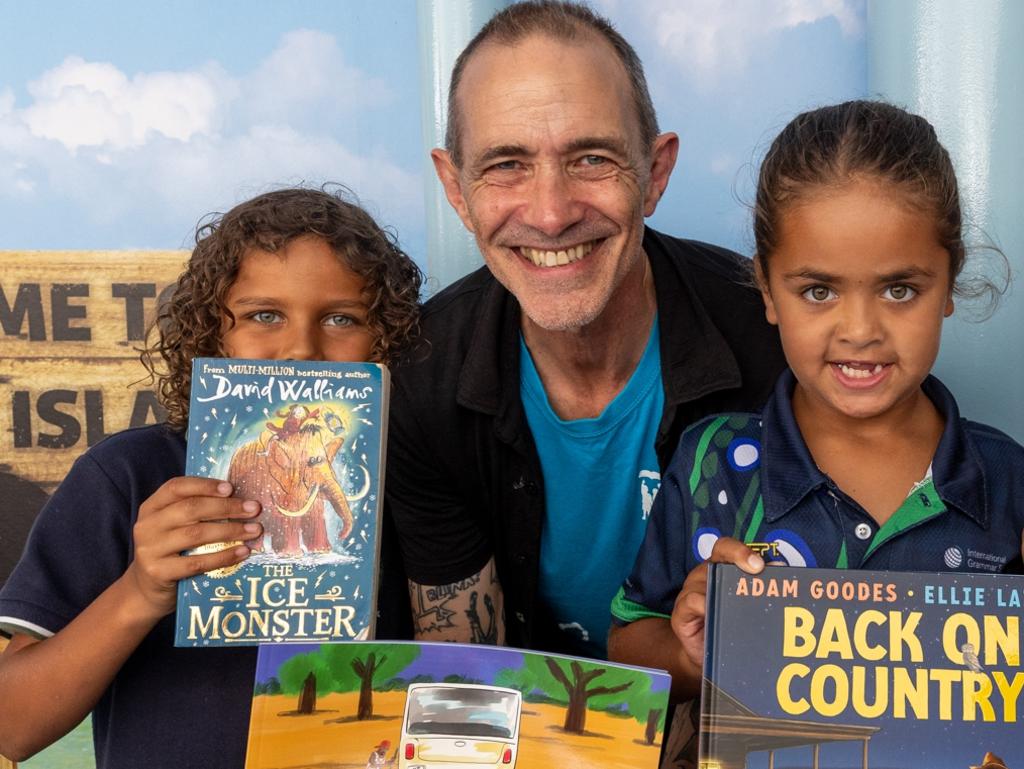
[189, 325]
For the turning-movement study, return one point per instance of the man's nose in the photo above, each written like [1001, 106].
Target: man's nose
[551, 206]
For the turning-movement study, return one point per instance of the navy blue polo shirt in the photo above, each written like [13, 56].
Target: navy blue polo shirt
[751, 477]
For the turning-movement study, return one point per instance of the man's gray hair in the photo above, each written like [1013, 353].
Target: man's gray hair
[562, 21]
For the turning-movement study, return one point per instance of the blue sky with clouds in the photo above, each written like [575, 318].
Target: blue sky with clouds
[122, 123]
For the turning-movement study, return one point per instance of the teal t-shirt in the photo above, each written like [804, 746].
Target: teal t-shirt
[600, 479]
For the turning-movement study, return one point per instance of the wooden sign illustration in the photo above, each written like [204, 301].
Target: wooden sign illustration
[71, 324]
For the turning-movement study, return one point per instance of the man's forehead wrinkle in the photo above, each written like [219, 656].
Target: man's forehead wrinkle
[521, 120]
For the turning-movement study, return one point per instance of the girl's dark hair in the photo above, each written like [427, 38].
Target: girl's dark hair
[189, 324]
[871, 140]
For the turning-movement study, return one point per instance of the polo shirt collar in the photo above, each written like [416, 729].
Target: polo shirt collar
[789, 473]
[695, 358]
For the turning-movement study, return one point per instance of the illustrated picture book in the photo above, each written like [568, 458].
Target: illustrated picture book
[407, 705]
[829, 669]
[306, 439]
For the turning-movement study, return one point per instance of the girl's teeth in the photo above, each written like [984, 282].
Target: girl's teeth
[860, 373]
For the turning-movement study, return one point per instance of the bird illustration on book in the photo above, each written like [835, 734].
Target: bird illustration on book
[971, 661]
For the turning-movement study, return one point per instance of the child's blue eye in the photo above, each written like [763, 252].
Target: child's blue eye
[339, 320]
[265, 316]
[900, 293]
[818, 294]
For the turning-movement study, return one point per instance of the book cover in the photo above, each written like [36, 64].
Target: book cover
[407, 705]
[862, 670]
[306, 439]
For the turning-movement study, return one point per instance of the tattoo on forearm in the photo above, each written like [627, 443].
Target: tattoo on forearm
[431, 604]
[469, 610]
[439, 593]
[481, 636]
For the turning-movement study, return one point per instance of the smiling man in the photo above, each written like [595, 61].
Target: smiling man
[528, 433]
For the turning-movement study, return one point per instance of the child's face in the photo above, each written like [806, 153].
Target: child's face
[858, 286]
[301, 303]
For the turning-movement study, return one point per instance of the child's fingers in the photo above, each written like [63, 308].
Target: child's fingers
[729, 550]
[688, 623]
[183, 487]
[688, 614]
[191, 565]
[689, 604]
[160, 515]
[186, 538]
[163, 561]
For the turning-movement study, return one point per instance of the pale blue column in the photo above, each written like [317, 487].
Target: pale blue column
[445, 27]
[960, 64]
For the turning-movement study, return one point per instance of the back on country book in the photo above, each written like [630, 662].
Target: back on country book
[859, 669]
[306, 439]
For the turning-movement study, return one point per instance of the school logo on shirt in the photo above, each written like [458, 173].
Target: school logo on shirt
[650, 482]
[953, 557]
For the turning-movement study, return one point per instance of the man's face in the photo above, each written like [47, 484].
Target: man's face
[554, 181]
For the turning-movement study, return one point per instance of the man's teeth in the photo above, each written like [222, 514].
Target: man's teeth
[557, 258]
[860, 373]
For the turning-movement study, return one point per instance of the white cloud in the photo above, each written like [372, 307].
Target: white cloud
[306, 77]
[710, 37]
[120, 147]
[94, 104]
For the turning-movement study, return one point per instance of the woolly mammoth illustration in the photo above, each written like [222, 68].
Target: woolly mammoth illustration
[291, 473]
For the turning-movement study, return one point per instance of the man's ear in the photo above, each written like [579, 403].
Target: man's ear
[766, 295]
[448, 173]
[663, 159]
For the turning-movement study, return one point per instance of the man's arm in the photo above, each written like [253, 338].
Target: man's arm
[467, 611]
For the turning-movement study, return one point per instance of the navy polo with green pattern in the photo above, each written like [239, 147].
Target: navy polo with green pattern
[751, 477]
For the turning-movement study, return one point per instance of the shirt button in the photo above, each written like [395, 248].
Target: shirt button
[863, 531]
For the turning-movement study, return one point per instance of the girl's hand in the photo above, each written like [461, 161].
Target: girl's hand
[690, 606]
[183, 514]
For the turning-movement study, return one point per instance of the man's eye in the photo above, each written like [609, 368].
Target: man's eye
[506, 165]
[900, 293]
[265, 316]
[818, 294]
[593, 160]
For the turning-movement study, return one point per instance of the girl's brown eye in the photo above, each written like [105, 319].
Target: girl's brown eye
[818, 293]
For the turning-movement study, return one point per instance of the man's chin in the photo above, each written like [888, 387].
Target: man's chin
[559, 316]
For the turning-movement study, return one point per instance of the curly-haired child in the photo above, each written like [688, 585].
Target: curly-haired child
[295, 273]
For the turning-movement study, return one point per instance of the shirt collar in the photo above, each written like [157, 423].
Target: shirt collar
[789, 473]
